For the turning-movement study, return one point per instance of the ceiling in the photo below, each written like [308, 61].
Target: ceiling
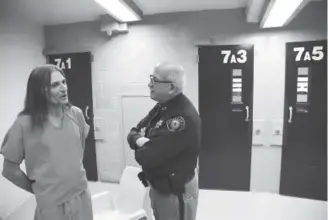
[166, 6]
[52, 12]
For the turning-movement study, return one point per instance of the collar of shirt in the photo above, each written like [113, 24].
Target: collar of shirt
[171, 102]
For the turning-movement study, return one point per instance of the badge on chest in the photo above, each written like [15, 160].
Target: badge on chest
[159, 124]
[174, 124]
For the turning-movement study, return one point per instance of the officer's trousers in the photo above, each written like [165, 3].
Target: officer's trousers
[166, 207]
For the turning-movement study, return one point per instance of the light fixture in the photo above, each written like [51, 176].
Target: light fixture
[280, 12]
[121, 10]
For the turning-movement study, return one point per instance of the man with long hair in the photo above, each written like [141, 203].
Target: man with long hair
[49, 134]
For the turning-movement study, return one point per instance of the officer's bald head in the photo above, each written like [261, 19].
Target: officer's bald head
[171, 72]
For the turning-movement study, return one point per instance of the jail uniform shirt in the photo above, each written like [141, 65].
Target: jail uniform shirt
[53, 156]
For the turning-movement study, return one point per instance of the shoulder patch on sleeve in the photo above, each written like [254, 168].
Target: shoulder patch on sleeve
[176, 124]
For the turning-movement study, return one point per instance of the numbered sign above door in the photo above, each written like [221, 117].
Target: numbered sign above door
[309, 53]
[63, 63]
[235, 56]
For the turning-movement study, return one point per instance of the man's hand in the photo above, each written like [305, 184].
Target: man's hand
[141, 141]
[142, 132]
[12, 172]
[132, 138]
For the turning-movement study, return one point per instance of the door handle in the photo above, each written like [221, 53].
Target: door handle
[290, 120]
[86, 112]
[247, 113]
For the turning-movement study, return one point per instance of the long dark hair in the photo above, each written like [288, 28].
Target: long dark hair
[36, 102]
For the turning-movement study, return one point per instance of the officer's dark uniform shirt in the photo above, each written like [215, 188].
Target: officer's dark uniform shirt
[170, 157]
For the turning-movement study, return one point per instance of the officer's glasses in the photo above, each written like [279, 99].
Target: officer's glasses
[154, 80]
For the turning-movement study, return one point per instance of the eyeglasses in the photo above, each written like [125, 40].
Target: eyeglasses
[154, 80]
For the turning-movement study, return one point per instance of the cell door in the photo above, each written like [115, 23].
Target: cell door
[304, 153]
[225, 105]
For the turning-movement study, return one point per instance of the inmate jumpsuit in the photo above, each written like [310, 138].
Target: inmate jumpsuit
[53, 159]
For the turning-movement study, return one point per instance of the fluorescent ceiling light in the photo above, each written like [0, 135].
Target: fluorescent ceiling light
[280, 12]
[120, 10]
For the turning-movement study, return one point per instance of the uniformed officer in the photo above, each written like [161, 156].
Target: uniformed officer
[166, 144]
